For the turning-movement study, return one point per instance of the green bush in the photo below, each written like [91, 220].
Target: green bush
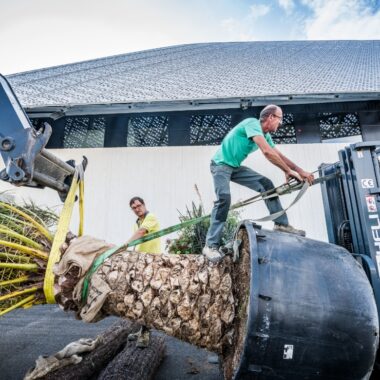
[192, 239]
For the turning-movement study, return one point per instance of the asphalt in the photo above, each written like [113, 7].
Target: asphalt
[45, 329]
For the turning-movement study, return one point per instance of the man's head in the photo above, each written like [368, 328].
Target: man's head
[137, 205]
[271, 118]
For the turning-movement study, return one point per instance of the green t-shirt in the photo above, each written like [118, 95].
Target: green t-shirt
[238, 143]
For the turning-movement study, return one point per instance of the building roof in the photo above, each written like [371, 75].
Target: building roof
[214, 71]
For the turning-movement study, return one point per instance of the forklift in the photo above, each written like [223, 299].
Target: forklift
[351, 199]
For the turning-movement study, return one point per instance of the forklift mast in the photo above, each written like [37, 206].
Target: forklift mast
[352, 206]
[26, 161]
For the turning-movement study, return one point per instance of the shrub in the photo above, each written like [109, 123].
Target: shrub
[191, 239]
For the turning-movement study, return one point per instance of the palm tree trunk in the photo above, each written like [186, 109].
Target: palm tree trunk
[186, 296]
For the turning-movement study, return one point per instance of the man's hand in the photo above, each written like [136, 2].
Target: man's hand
[293, 174]
[306, 176]
[302, 174]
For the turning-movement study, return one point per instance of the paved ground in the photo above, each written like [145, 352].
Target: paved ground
[44, 330]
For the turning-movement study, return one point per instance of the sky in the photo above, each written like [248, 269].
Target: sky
[41, 33]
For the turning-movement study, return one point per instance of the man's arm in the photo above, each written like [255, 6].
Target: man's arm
[306, 176]
[137, 235]
[272, 155]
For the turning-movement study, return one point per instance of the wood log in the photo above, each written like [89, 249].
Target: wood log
[112, 342]
[135, 363]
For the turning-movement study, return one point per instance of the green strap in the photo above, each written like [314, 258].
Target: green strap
[154, 235]
[95, 265]
[167, 230]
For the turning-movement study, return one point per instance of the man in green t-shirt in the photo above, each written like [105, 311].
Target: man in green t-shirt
[246, 137]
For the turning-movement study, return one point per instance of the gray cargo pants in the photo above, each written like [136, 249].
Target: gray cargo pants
[222, 175]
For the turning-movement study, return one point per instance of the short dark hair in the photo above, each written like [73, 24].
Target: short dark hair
[270, 109]
[134, 199]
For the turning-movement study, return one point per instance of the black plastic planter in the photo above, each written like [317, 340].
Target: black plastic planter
[311, 314]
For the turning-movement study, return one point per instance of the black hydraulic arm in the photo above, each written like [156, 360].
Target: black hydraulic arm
[26, 161]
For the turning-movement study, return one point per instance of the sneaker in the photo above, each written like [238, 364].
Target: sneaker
[133, 336]
[212, 254]
[227, 249]
[143, 339]
[288, 229]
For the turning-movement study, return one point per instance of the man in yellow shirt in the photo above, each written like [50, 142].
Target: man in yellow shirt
[146, 223]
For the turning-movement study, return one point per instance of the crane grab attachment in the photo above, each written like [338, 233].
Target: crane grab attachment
[22, 148]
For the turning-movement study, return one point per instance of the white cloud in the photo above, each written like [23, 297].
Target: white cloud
[259, 10]
[241, 29]
[341, 19]
[287, 5]
[237, 30]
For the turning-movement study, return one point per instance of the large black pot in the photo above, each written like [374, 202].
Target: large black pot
[311, 313]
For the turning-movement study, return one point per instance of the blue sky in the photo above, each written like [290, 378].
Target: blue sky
[41, 33]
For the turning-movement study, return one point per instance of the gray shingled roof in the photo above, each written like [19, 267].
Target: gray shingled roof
[208, 71]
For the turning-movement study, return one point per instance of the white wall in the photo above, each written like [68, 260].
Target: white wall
[165, 178]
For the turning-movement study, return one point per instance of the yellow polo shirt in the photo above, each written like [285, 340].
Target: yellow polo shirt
[150, 223]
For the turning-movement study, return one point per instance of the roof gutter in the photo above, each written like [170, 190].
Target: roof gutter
[56, 112]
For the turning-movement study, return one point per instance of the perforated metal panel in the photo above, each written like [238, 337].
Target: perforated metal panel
[338, 125]
[209, 129]
[148, 131]
[84, 132]
[37, 123]
[286, 133]
[200, 129]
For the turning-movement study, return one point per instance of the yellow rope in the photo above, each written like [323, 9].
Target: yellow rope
[60, 235]
[81, 207]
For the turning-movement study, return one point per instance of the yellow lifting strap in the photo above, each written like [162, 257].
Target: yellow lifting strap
[62, 229]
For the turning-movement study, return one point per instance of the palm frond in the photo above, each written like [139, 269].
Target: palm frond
[20, 303]
[25, 242]
[22, 214]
